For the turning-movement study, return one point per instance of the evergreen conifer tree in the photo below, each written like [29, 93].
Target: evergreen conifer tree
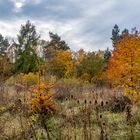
[27, 59]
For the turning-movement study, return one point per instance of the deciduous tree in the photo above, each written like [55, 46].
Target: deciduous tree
[61, 64]
[90, 66]
[124, 65]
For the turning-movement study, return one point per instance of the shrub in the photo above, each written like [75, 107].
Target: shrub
[119, 104]
[24, 79]
[42, 102]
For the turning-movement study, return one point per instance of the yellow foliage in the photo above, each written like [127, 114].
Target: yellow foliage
[42, 102]
[79, 56]
[61, 64]
[132, 94]
[24, 79]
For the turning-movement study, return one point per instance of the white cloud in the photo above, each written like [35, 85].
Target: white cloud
[83, 24]
[10, 28]
[20, 3]
[70, 31]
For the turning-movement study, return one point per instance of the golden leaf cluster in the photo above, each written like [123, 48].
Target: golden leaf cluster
[42, 101]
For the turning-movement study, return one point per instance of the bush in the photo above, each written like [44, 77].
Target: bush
[24, 79]
[42, 102]
[119, 104]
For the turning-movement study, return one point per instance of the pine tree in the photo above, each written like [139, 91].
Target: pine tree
[125, 32]
[57, 43]
[107, 55]
[115, 34]
[27, 59]
[54, 45]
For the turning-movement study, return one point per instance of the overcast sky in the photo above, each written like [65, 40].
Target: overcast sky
[81, 23]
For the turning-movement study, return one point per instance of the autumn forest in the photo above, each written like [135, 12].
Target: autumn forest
[48, 91]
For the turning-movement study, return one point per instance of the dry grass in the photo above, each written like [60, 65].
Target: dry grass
[85, 115]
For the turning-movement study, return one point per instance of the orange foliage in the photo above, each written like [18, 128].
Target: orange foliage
[42, 102]
[124, 65]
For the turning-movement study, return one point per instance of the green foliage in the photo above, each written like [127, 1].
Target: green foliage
[27, 59]
[4, 43]
[115, 34]
[28, 35]
[125, 31]
[54, 45]
[107, 55]
[57, 43]
[90, 66]
[137, 115]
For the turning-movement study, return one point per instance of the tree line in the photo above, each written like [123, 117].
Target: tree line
[119, 66]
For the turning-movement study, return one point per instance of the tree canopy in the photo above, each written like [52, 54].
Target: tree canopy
[124, 65]
[61, 65]
[90, 66]
[56, 43]
[115, 34]
[27, 59]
